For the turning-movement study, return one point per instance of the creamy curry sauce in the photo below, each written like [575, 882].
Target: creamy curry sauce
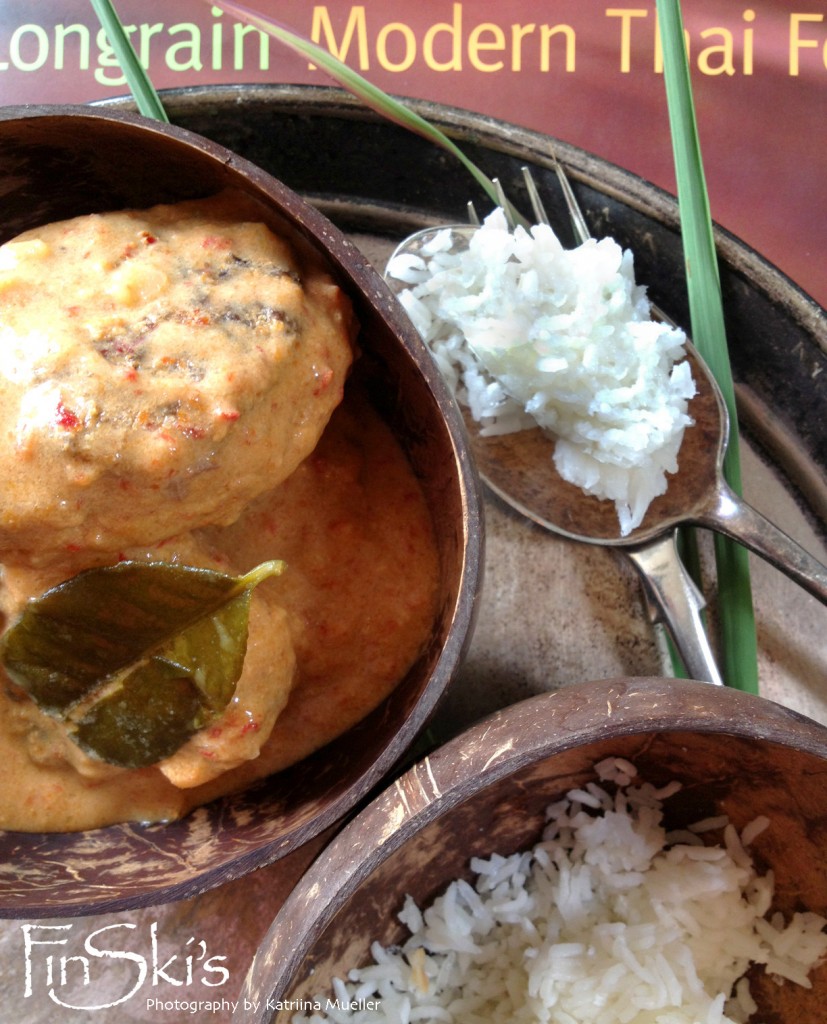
[158, 370]
[338, 501]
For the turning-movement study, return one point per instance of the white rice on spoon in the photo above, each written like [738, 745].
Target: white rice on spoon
[609, 919]
[529, 333]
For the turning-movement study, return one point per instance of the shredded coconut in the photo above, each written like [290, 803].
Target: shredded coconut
[529, 333]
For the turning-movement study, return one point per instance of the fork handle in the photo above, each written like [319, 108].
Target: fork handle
[678, 602]
[733, 517]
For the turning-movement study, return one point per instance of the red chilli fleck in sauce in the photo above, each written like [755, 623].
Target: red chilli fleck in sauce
[65, 418]
[216, 242]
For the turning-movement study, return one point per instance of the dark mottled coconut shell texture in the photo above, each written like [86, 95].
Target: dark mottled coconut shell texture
[487, 791]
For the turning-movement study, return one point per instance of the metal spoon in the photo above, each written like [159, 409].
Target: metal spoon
[520, 469]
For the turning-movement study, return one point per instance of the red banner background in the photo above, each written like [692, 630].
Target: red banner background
[581, 70]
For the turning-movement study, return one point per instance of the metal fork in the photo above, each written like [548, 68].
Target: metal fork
[671, 595]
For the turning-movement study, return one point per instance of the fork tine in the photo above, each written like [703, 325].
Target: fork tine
[502, 199]
[539, 211]
[578, 221]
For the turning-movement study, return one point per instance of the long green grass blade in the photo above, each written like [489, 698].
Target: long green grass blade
[139, 84]
[360, 87]
[736, 614]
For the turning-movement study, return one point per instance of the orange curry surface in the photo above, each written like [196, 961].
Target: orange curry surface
[171, 388]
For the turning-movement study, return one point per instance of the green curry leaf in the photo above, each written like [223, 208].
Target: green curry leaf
[135, 657]
[147, 718]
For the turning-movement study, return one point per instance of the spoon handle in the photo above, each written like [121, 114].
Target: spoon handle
[735, 518]
[679, 602]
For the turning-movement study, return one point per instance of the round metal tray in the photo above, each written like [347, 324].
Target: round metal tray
[553, 612]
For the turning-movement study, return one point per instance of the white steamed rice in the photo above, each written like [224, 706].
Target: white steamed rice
[607, 920]
[529, 333]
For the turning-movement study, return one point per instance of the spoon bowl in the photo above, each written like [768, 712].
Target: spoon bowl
[520, 468]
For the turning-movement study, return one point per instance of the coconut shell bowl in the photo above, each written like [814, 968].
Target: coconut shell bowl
[487, 792]
[57, 162]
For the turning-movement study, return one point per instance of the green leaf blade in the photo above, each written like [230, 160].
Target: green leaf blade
[87, 650]
[370, 94]
[735, 609]
[146, 98]
[150, 717]
[211, 651]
